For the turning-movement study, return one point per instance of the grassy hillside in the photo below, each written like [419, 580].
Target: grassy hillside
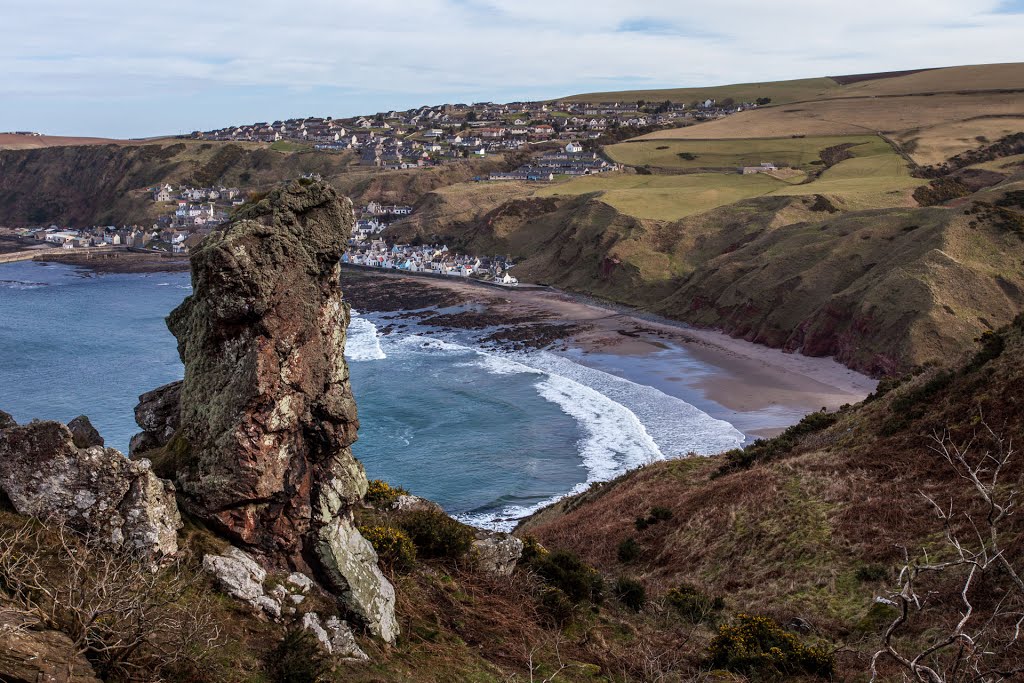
[726, 154]
[850, 116]
[809, 528]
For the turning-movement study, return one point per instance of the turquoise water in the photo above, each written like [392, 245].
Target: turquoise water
[488, 435]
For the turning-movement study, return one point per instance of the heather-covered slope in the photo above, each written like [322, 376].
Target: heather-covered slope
[810, 528]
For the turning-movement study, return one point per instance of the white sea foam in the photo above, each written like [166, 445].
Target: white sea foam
[362, 342]
[623, 424]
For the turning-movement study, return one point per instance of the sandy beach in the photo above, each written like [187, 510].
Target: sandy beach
[759, 390]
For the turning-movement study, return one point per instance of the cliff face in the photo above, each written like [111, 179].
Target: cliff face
[266, 412]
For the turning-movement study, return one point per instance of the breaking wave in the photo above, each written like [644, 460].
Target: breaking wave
[363, 342]
[623, 424]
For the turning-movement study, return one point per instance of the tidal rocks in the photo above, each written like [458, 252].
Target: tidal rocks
[266, 416]
[94, 490]
[83, 433]
[158, 413]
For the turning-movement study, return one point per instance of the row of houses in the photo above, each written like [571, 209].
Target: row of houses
[433, 259]
[156, 239]
[571, 160]
[167, 193]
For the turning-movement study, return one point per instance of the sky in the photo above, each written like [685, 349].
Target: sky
[112, 68]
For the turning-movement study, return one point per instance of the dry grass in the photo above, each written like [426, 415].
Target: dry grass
[849, 117]
[935, 144]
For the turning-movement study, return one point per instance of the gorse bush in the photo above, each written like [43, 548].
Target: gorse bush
[766, 449]
[298, 658]
[436, 535]
[659, 513]
[382, 494]
[693, 604]
[759, 647]
[394, 547]
[630, 593]
[629, 550]
[556, 607]
[568, 573]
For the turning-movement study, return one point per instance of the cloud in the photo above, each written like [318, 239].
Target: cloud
[203, 64]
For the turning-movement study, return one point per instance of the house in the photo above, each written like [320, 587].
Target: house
[163, 193]
[507, 279]
[765, 167]
[573, 148]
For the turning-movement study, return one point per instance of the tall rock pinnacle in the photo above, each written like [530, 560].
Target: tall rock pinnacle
[267, 418]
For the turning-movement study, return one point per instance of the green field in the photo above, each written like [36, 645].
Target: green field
[668, 198]
[731, 154]
[873, 177]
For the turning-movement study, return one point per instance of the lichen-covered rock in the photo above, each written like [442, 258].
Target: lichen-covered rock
[343, 641]
[83, 433]
[30, 653]
[410, 503]
[497, 553]
[350, 565]
[267, 418]
[158, 413]
[238, 573]
[95, 490]
[336, 637]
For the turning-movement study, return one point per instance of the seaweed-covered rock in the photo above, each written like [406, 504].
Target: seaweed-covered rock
[267, 418]
[95, 490]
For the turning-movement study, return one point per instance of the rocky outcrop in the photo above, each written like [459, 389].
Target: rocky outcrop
[158, 413]
[95, 490]
[30, 653]
[83, 433]
[266, 412]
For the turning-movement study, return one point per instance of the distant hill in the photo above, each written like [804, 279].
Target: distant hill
[947, 79]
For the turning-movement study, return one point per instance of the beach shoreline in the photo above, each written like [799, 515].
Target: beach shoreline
[760, 390]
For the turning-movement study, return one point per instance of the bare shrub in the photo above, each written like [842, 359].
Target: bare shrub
[134, 621]
[969, 595]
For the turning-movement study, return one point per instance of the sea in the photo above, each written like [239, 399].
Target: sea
[490, 435]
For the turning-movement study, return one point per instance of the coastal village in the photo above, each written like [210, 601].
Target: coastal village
[562, 140]
[431, 135]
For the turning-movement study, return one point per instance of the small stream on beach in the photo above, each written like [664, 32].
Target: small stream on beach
[490, 435]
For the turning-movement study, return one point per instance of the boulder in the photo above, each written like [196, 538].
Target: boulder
[410, 503]
[30, 653]
[343, 641]
[158, 413]
[83, 433]
[266, 414]
[497, 553]
[336, 637]
[238, 573]
[95, 490]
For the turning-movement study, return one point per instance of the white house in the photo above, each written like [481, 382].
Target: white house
[573, 148]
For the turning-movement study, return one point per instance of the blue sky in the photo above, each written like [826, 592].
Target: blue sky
[119, 69]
